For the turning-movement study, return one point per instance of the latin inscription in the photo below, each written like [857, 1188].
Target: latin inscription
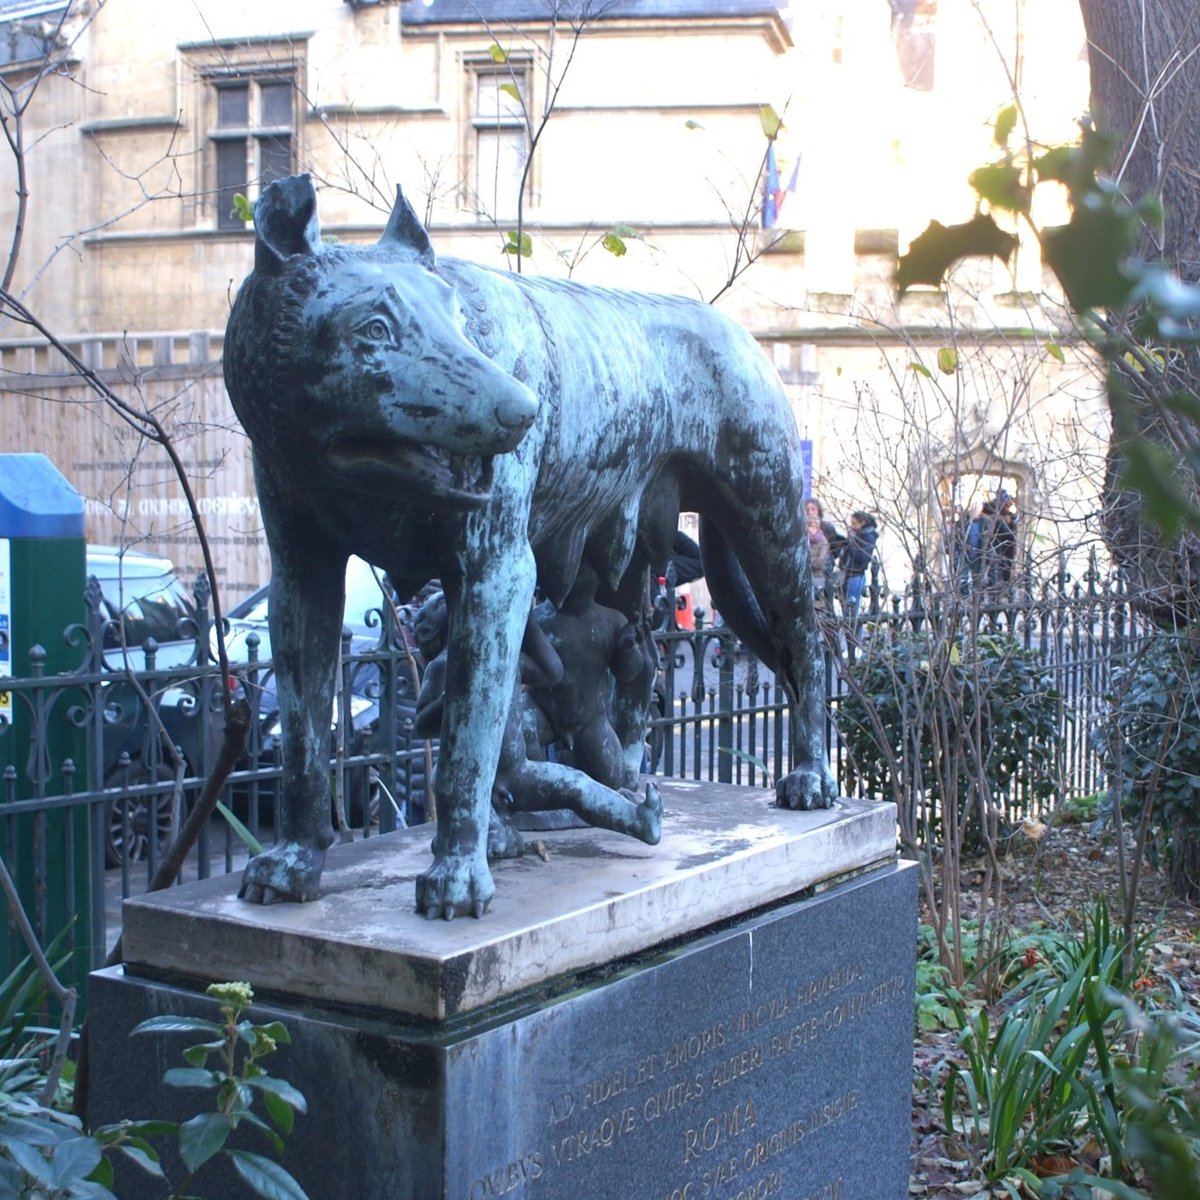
[728, 1145]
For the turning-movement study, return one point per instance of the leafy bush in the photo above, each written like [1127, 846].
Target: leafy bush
[46, 1154]
[1151, 741]
[940, 718]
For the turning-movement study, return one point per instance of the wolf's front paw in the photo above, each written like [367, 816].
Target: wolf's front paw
[455, 886]
[806, 789]
[288, 871]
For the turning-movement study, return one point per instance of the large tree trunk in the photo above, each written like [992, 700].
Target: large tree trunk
[1145, 86]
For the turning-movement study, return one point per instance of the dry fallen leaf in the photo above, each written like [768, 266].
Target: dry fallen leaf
[1047, 1165]
[1031, 827]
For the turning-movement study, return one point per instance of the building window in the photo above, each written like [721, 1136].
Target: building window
[31, 32]
[499, 146]
[253, 138]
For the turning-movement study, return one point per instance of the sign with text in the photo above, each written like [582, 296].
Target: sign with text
[774, 1061]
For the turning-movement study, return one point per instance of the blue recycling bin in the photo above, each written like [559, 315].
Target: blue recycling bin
[42, 572]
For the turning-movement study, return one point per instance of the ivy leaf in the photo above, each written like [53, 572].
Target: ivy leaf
[32, 1162]
[1187, 404]
[277, 1031]
[243, 210]
[1075, 166]
[1006, 120]
[947, 360]
[1055, 351]
[1167, 291]
[769, 119]
[935, 251]
[519, 244]
[498, 53]
[614, 244]
[1087, 255]
[1151, 471]
[1000, 185]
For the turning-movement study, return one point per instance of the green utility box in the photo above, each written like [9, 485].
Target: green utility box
[42, 556]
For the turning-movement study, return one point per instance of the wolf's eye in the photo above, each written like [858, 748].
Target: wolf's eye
[376, 330]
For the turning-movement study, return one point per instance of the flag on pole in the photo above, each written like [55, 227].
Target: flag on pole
[770, 202]
[773, 194]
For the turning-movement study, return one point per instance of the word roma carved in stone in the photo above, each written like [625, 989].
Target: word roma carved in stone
[698, 1090]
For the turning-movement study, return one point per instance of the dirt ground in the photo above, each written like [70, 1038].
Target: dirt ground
[1046, 880]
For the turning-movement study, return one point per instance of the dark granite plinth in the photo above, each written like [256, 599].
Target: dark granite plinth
[769, 1058]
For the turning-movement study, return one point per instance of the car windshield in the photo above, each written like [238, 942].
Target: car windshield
[362, 598]
[141, 604]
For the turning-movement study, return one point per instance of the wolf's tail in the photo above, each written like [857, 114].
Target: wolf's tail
[732, 594]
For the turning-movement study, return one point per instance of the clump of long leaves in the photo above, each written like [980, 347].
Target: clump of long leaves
[1161, 1098]
[1055, 1070]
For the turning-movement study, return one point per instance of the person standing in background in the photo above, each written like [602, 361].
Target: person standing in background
[856, 558]
[818, 556]
[835, 539]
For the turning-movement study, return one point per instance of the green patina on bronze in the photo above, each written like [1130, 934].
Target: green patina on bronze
[496, 431]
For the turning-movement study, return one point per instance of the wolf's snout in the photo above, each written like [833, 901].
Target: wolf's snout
[516, 407]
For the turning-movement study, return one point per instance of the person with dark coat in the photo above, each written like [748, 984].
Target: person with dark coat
[857, 555]
[979, 546]
[1002, 558]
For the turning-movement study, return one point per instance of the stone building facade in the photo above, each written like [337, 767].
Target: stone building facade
[625, 139]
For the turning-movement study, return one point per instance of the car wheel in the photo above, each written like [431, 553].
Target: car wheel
[130, 822]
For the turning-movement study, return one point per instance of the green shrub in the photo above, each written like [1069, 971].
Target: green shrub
[46, 1154]
[933, 716]
[1151, 741]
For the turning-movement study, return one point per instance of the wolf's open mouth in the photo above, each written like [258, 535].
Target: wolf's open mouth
[430, 470]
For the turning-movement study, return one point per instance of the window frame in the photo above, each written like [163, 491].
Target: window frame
[251, 136]
[478, 123]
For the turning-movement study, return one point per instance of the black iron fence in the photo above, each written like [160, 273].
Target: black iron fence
[722, 716]
[75, 830]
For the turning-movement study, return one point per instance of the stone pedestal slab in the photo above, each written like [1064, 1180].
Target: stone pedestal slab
[726, 1015]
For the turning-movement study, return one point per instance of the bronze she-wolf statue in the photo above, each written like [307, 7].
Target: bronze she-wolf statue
[498, 431]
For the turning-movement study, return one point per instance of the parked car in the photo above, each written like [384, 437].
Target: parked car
[370, 618]
[141, 598]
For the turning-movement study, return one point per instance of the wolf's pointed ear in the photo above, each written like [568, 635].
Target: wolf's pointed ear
[404, 228]
[285, 220]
